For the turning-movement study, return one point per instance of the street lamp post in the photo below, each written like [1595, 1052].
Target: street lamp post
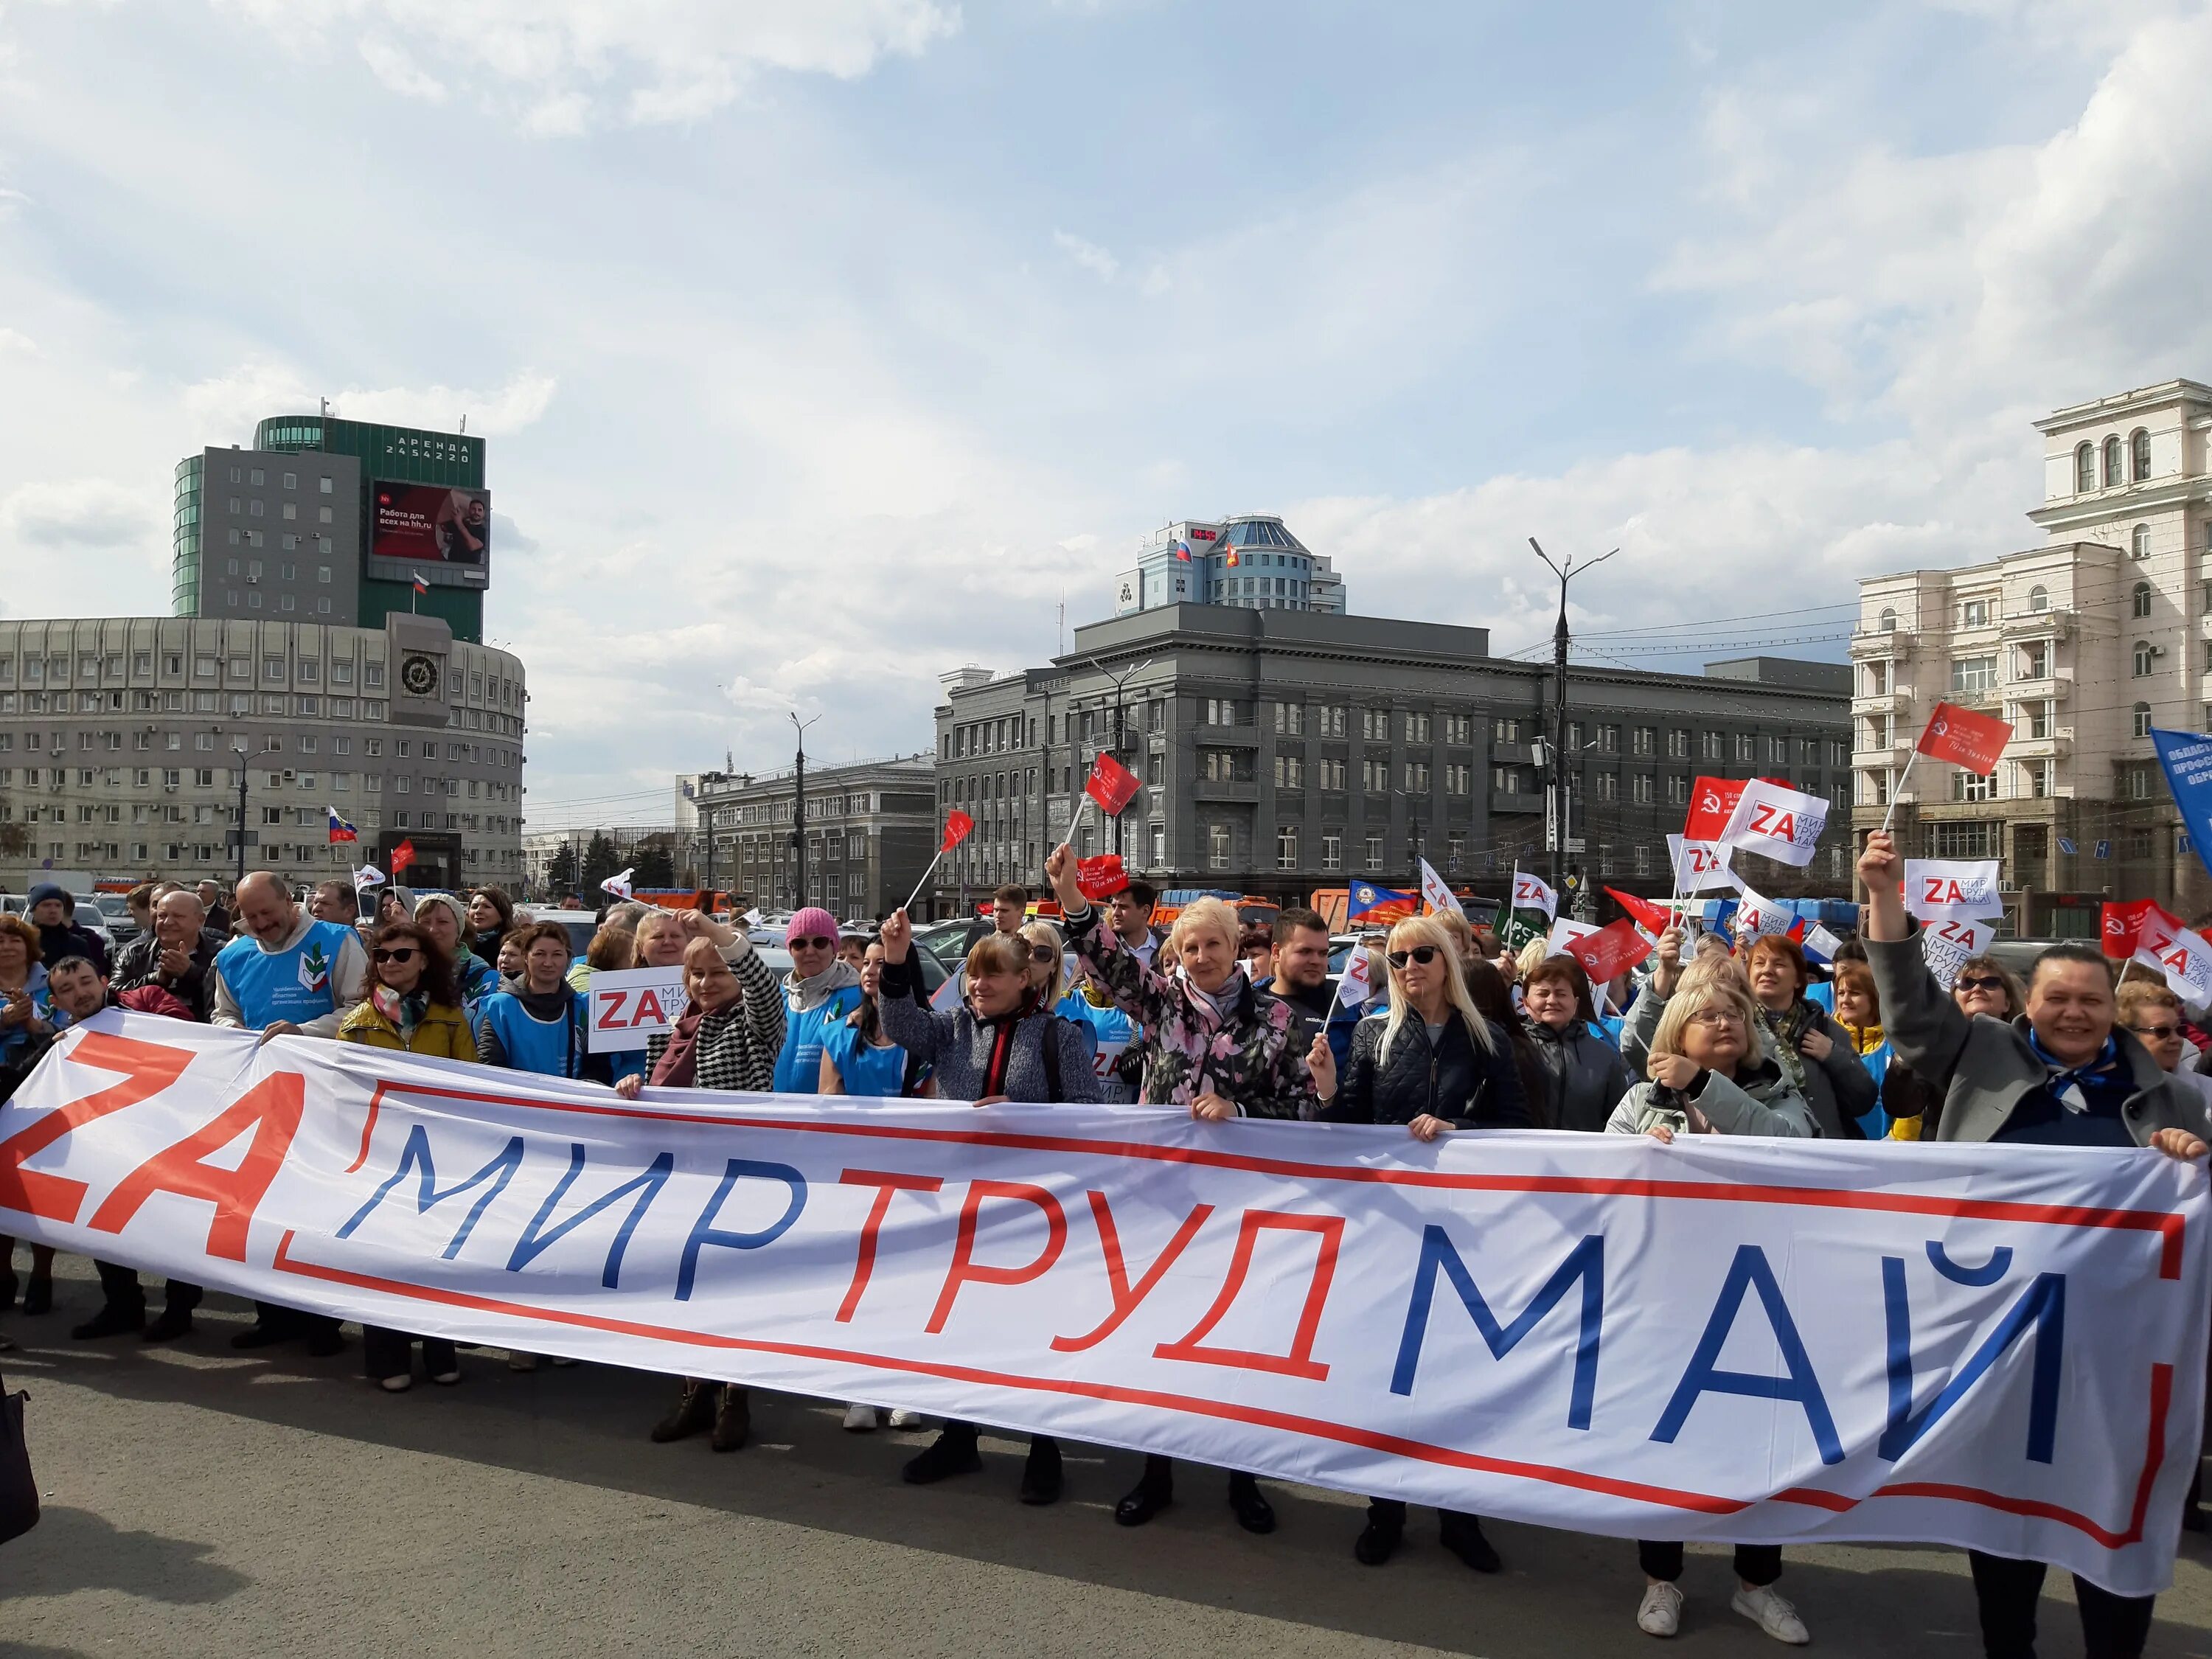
[799, 815]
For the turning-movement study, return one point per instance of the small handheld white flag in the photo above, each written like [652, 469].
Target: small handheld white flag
[1700, 867]
[1935, 888]
[1564, 932]
[1438, 893]
[618, 882]
[366, 877]
[2185, 959]
[753, 918]
[1353, 985]
[1777, 822]
[1948, 943]
[1755, 915]
[1534, 893]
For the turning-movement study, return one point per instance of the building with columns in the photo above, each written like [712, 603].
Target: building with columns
[2084, 644]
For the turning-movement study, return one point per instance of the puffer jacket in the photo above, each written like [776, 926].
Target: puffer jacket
[959, 1048]
[1453, 1078]
[1250, 1056]
[1584, 1075]
[442, 1031]
[1758, 1102]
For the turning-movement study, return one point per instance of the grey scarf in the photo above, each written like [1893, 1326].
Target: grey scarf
[801, 995]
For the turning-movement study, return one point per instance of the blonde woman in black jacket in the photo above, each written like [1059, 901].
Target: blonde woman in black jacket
[1435, 1064]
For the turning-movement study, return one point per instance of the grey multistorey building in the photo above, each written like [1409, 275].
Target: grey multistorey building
[122, 739]
[278, 536]
[1285, 750]
[871, 827]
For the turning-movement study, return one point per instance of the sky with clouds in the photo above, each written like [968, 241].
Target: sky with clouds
[822, 344]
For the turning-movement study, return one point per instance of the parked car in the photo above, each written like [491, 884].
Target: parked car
[116, 910]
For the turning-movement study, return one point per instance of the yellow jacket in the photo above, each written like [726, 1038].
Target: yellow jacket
[443, 1032]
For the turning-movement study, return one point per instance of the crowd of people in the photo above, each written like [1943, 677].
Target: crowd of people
[1199, 1018]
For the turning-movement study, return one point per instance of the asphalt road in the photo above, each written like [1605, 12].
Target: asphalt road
[199, 1501]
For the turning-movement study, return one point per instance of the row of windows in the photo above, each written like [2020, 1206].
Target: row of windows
[2137, 453]
[94, 667]
[258, 477]
[288, 510]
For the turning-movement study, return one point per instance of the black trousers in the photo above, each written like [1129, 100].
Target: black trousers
[2113, 1626]
[1389, 1513]
[1757, 1565]
[385, 1353]
[1160, 1473]
[119, 1288]
[293, 1322]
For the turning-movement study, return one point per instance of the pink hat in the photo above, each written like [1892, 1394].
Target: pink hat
[812, 922]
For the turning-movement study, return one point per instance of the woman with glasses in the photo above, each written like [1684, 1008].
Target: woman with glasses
[1006, 1044]
[2155, 1015]
[820, 992]
[1708, 1075]
[1433, 1064]
[411, 1007]
[1808, 1045]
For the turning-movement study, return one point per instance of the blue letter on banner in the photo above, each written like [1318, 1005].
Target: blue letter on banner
[417, 1154]
[704, 1232]
[646, 1186]
[1750, 1271]
[1586, 1261]
[2041, 1306]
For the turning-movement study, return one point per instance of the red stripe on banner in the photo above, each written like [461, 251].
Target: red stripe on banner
[2161, 1390]
[2168, 1224]
[2161, 1400]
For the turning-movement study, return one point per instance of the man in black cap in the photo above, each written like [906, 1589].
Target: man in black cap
[53, 912]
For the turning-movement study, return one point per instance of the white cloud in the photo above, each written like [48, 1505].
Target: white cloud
[392, 66]
[13, 340]
[1091, 257]
[571, 61]
[80, 516]
[232, 403]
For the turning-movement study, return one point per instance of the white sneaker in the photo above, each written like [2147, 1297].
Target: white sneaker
[861, 1419]
[904, 1419]
[1773, 1614]
[1660, 1613]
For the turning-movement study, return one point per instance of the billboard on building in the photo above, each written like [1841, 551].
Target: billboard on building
[441, 531]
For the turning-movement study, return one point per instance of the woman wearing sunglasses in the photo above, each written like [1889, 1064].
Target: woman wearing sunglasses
[820, 993]
[1709, 1075]
[1433, 1064]
[411, 1007]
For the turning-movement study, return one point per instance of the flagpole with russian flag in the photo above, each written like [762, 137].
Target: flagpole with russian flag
[417, 589]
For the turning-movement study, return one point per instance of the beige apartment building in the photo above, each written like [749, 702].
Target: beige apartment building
[2083, 644]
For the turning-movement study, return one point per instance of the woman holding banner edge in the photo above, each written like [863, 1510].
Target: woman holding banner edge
[1212, 1045]
[2061, 1075]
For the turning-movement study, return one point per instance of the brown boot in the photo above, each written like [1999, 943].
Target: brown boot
[734, 1419]
[695, 1410]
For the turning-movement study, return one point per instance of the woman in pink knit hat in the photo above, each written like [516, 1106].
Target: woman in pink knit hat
[819, 993]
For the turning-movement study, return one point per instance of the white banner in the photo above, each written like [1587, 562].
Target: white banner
[1700, 867]
[1723, 1338]
[1781, 822]
[628, 1005]
[1937, 888]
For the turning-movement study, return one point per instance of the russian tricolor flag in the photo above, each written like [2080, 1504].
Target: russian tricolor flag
[340, 829]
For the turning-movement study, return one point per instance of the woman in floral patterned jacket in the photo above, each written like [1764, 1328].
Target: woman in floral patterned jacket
[1211, 1045]
[1210, 1040]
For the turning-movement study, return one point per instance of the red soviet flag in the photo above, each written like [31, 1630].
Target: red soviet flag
[1111, 784]
[1712, 803]
[1655, 917]
[957, 824]
[1610, 952]
[1100, 878]
[403, 856]
[1964, 737]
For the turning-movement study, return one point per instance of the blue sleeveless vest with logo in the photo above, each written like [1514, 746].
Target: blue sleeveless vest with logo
[294, 984]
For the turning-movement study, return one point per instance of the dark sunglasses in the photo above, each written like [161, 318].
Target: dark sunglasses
[395, 953]
[2159, 1033]
[1044, 953]
[811, 944]
[1424, 954]
[1979, 982]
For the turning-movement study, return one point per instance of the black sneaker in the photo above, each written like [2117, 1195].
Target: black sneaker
[1253, 1511]
[110, 1320]
[1041, 1474]
[1462, 1536]
[947, 1456]
[1376, 1544]
[168, 1325]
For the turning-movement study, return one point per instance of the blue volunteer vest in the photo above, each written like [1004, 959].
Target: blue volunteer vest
[799, 1067]
[865, 1071]
[294, 984]
[549, 1048]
